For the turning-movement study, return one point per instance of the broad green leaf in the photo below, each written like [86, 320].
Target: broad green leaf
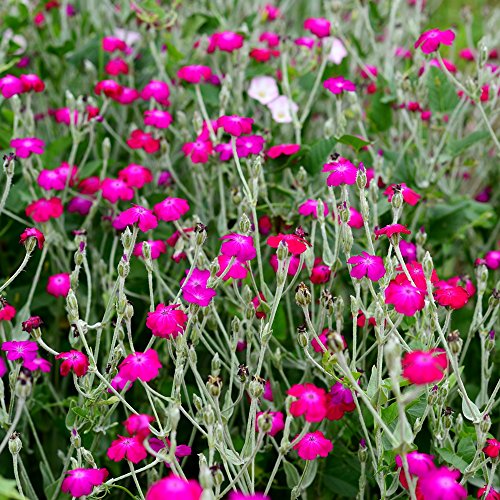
[318, 155]
[452, 458]
[442, 94]
[8, 490]
[458, 146]
[356, 142]
[292, 475]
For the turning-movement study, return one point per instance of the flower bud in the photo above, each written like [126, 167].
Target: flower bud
[361, 179]
[301, 176]
[482, 277]
[428, 265]
[362, 451]
[126, 239]
[205, 476]
[329, 128]
[326, 300]
[245, 225]
[256, 387]
[214, 386]
[485, 424]
[192, 355]
[217, 475]
[197, 121]
[197, 401]
[433, 396]
[335, 342]
[201, 233]
[265, 422]
[72, 303]
[24, 383]
[208, 416]
[216, 364]
[123, 268]
[88, 457]
[490, 341]
[282, 251]
[448, 417]
[129, 311]
[454, 342]
[15, 443]
[421, 237]
[397, 197]
[75, 438]
[302, 295]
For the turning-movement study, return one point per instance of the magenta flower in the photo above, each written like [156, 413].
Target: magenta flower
[492, 259]
[195, 290]
[143, 140]
[236, 495]
[73, 360]
[391, 230]
[310, 207]
[278, 422]
[157, 247]
[408, 250]
[447, 295]
[32, 82]
[424, 367]
[430, 40]
[318, 26]
[130, 448]
[418, 465]
[20, 349]
[109, 88]
[355, 219]
[58, 285]
[7, 312]
[157, 118]
[367, 265]
[417, 274]
[79, 205]
[305, 41]
[199, 150]
[26, 146]
[174, 487]
[127, 96]
[116, 189]
[239, 246]
[249, 145]
[171, 209]
[339, 401]
[492, 448]
[492, 495]
[38, 364]
[118, 383]
[237, 271]
[235, 125]
[157, 90]
[44, 209]
[441, 484]
[225, 151]
[282, 149]
[295, 244]
[10, 85]
[293, 267]
[194, 73]
[310, 402]
[410, 196]
[313, 445]
[112, 43]
[3, 368]
[226, 41]
[90, 185]
[181, 450]
[342, 172]
[116, 66]
[31, 232]
[338, 85]
[81, 482]
[320, 273]
[405, 298]
[167, 321]
[138, 425]
[31, 324]
[140, 365]
[145, 219]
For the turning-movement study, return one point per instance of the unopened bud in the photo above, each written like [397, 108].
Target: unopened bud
[126, 239]
[245, 225]
[75, 439]
[392, 352]
[427, 265]
[88, 457]
[214, 386]
[397, 198]
[335, 342]
[485, 424]
[282, 251]
[302, 295]
[216, 364]
[256, 387]
[72, 303]
[129, 311]
[362, 451]
[454, 342]
[201, 233]
[265, 422]
[301, 176]
[24, 383]
[106, 148]
[361, 179]
[243, 373]
[208, 416]
[15, 443]
[197, 401]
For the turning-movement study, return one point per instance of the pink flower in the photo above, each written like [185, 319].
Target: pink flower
[320, 273]
[447, 64]
[235, 125]
[195, 289]
[181, 450]
[25, 146]
[293, 267]
[143, 140]
[157, 118]
[410, 196]
[7, 312]
[58, 285]
[138, 425]
[492, 259]
[81, 482]
[130, 448]
[355, 219]
[249, 145]
[44, 209]
[416, 272]
[167, 321]
[237, 271]
[239, 246]
[282, 149]
[144, 218]
[271, 12]
[282, 108]
[32, 232]
[338, 52]
[198, 151]
[391, 230]
[226, 41]
[109, 88]
[492, 495]
[338, 85]
[342, 172]
[278, 422]
[295, 244]
[20, 349]
[38, 364]
[418, 465]
[118, 383]
[3, 368]
[157, 247]
[405, 298]
[318, 26]
[116, 66]
[367, 265]
[408, 250]
[225, 151]
[339, 401]
[172, 487]
[305, 41]
[127, 96]
[424, 367]
[311, 402]
[135, 176]
[441, 484]
[492, 448]
[73, 360]
[112, 43]
[90, 185]
[10, 85]
[447, 295]
[194, 73]
[310, 207]
[157, 90]
[32, 82]
[116, 189]
[313, 445]
[140, 365]
[263, 54]
[171, 209]
[272, 39]
[430, 40]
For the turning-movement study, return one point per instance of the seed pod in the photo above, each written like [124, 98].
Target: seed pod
[302, 295]
[15, 443]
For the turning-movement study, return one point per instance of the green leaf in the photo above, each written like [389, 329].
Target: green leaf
[452, 458]
[356, 142]
[90, 168]
[380, 111]
[458, 146]
[442, 94]
[199, 23]
[390, 413]
[470, 410]
[318, 155]
[80, 412]
[292, 475]
[8, 490]
[310, 474]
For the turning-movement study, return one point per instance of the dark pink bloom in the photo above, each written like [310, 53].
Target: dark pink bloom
[408, 250]
[26, 146]
[198, 151]
[441, 484]
[138, 424]
[405, 298]
[157, 90]
[79, 205]
[118, 383]
[194, 73]
[130, 448]
[20, 349]
[339, 401]
[338, 85]
[368, 70]
[367, 265]
[239, 246]
[313, 445]
[181, 450]
[492, 448]
[235, 125]
[157, 118]
[44, 209]
[259, 313]
[174, 487]
[135, 175]
[38, 364]
[492, 259]
[342, 172]
[320, 273]
[109, 88]
[410, 196]
[139, 139]
[430, 40]
[226, 41]
[195, 289]
[263, 54]
[32, 82]
[447, 64]
[295, 244]
[7, 312]
[157, 247]
[424, 367]
[171, 209]
[3, 368]
[249, 145]
[237, 271]
[272, 39]
[492, 495]
[31, 324]
[32, 232]
[311, 402]
[117, 66]
[112, 43]
[225, 151]
[268, 391]
[56, 179]
[271, 12]
[73, 360]
[467, 54]
[116, 189]
[418, 465]
[140, 365]
[318, 26]
[167, 321]
[485, 93]
[145, 219]
[293, 267]
[90, 185]
[127, 96]
[277, 425]
[10, 85]
[81, 482]
[391, 230]
[282, 149]
[310, 207]
[305, 41]
[447, 295]
[58, 285]
[416, 272]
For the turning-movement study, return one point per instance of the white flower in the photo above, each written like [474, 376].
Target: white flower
[129, 37]
[281, 109]
[338, 51]
[263, 89]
